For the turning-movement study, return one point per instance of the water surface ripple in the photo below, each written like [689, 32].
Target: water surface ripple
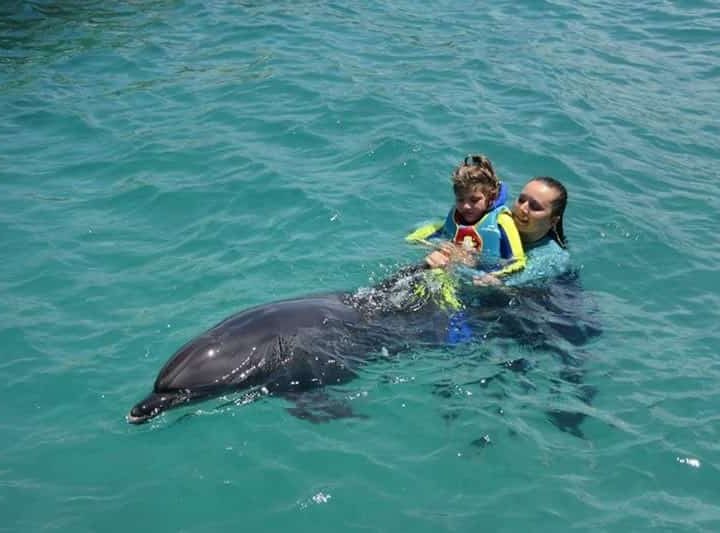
[165, 164]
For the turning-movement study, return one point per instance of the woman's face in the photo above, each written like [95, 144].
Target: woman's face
[532, 211]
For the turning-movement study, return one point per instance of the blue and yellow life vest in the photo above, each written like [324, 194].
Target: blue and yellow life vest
[483, 236]
[488, 235]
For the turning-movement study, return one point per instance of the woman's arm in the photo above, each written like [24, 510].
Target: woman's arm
[509, 234]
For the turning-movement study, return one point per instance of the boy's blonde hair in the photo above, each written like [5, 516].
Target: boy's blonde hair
[476, 171]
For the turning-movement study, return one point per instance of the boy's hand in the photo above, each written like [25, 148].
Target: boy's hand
[485, 280]
[448, 253]
[437, 259]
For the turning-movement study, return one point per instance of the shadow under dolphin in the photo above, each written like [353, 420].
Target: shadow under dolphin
[558, 318]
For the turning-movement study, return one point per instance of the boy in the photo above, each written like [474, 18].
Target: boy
[480, 228]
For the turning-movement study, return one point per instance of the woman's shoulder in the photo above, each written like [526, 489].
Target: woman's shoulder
[547, 246]
[550, 254]
[546, 259]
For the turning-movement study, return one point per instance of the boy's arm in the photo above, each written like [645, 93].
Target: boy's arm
[426, 232]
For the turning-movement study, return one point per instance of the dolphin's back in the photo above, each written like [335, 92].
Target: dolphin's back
[244, 349]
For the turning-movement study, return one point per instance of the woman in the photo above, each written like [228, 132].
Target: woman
[538, 214]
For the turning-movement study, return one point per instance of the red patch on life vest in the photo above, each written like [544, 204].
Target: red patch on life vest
[468, 234]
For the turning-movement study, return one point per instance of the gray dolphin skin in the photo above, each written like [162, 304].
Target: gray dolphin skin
[284, 347]
[291, 345]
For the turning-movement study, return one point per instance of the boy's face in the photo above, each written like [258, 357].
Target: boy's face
[471, 204]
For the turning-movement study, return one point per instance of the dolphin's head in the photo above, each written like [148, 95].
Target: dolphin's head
[153, 405]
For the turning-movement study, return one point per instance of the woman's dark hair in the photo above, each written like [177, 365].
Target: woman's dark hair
[558, 208]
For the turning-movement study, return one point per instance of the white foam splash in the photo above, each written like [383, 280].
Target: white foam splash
[321, 497]
[690, 461]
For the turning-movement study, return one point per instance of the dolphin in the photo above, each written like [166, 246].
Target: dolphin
[291, 346]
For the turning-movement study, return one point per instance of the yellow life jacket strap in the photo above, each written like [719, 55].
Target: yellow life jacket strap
[421, 234]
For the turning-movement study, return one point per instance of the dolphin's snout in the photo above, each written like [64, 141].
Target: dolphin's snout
[149, 408]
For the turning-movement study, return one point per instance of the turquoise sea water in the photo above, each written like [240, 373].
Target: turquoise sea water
[165, 164]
